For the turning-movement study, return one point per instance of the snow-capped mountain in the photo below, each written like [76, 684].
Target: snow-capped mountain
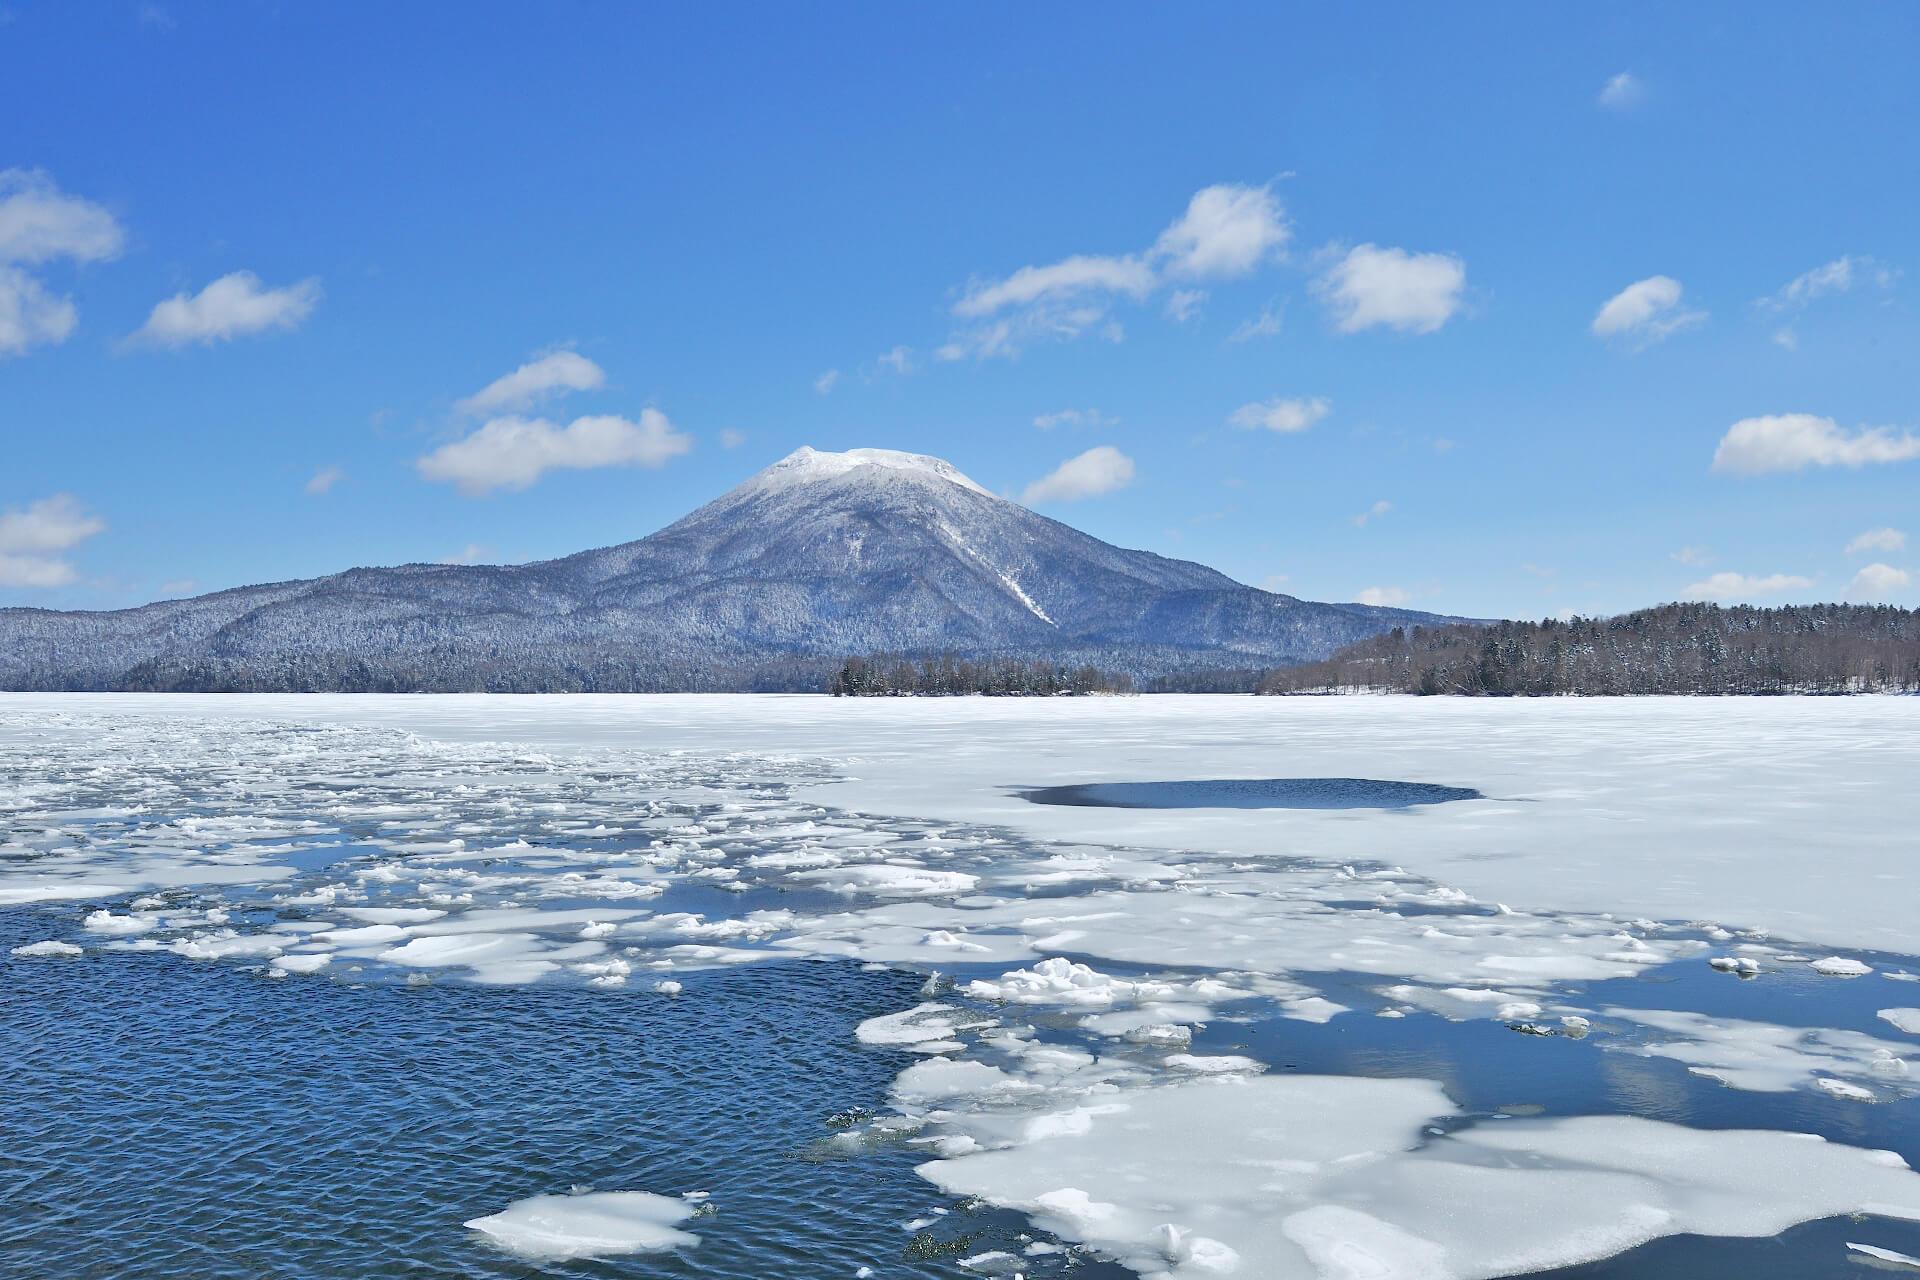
[820, 556]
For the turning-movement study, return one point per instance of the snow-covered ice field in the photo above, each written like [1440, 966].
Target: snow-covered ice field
[1140, 1028]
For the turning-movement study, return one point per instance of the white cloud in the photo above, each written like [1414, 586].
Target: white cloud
[732, 438]
[1264, 325]
[1693, 557]
[33, 537]
[1282, 415]
[235, 305]
[324, 479]
[1839, 276]
[1074, 418]
[1227, 231]
[1878, 581]
[1786, 339]
[1384, 597]
[1392, 288]
[900, 360]
[1622, 92]
[1646, 311]
[1728, 586]
[39, 223]
[512, 453]
[473, 553]
[826, 381]
[1099, 470]
[30, 316]
[1078, 275]
[1795, 441]
[558, 371]
[1372, 513]
[1184, 304]
[1878, 540]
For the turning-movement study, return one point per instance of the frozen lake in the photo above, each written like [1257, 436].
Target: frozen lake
[758, 986]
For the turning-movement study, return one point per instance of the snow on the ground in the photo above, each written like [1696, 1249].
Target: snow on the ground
[597, 1224]
[621, 843]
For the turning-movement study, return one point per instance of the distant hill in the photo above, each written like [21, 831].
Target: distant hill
[770, 586]
[1676, 648]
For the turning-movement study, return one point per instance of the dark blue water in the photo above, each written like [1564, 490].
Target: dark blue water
[166, 1118]
[1253, 793]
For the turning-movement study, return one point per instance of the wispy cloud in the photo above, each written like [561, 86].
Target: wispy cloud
[1645, 312]
[40, 224]
[556, 373]
[1226, 231]
[1842, 275]
[1265, 325]
[1101, 469]
[1074, 418]
[236, 305]
[1729, 586]
[1622, 92]
[1878, 540]
[1284, 415]
[1383, 597]
[35, 538]
[827, 381]
[324, 479]
[512, 453]
[1372, 513]
[1796, 441]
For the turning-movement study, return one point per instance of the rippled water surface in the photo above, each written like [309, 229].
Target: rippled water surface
[167, 1118]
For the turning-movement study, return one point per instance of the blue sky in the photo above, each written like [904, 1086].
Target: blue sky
[1487, 310]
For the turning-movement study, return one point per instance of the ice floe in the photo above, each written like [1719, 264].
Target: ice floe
[597, 1224]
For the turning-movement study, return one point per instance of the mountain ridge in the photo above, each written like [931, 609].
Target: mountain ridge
[816, 557]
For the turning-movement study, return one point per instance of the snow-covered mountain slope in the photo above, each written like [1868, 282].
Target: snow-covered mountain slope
[819, 556]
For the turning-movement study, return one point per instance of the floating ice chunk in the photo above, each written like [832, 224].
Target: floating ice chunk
[1745, 966]
[923, 1024]
[668, 987]
[47, 950]
[595, 1225]
[227, 945]
[1841, 1089]
[1340, 1177]
[1763, 1056]
[938, 1078]
[598, 929]
[393, 915]
[306, 962]
[1214, 1064]
[1840, 967]
[889, 881]
[104, 921]
[1907, 1020]
[1053, 981]
[1885, 1255]
[1313, 1009]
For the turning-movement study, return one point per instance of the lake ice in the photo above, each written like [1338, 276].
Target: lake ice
[1712, 899]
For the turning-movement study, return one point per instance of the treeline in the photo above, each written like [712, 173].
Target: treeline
[1675, 648]
[880, 676]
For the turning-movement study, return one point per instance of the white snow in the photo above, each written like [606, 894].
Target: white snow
[597, 1224]
[1840, 967]
[1885, 1255]
[808, 464]
[1763, 1056]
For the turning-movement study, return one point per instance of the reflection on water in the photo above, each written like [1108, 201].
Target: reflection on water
[1253, 793]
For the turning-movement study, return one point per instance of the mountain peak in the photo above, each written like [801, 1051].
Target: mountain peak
[807, 463]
